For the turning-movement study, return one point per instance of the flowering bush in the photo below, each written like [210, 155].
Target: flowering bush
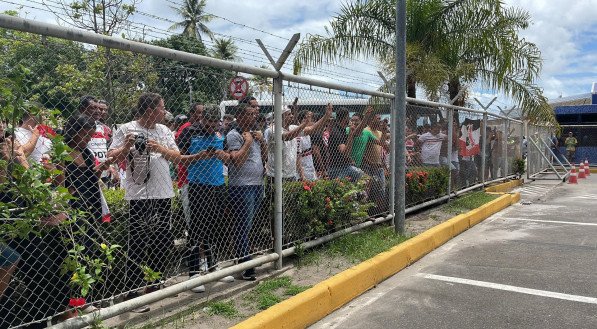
[324, 205]
[426, 183]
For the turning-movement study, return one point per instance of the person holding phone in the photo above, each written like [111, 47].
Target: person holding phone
[206, 190]
[247, 154]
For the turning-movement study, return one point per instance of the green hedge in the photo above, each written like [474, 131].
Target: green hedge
[426, 183]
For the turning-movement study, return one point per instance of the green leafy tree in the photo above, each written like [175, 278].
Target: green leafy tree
[194, 19]
[449, 44]
[182, 83]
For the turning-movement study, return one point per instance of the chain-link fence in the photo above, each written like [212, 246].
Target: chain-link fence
[578, 143]
[127, 171]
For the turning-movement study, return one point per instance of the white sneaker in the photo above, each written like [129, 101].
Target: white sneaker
[227, 279]
[200, 288]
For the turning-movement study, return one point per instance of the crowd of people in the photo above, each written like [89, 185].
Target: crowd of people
[214, 160]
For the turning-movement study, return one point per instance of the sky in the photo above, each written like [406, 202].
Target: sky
[564, 31]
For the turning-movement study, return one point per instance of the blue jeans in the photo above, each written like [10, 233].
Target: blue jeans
[245, 201]
[8, 256]
[347, 171]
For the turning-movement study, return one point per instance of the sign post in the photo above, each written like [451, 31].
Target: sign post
[239, 87]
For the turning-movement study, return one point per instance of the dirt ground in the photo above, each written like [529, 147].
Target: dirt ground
[193, 310]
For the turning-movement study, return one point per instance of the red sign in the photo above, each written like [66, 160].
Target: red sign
[239, 87]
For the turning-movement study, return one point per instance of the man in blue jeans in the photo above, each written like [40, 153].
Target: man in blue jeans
[247, 151]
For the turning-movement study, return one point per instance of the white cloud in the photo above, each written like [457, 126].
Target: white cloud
[561, 29]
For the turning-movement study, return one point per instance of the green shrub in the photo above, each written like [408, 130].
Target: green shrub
[322, 206]
[426, 183]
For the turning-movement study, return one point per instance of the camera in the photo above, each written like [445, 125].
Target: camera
[141, 143]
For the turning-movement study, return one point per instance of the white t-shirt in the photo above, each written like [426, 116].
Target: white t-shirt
[306, 156]
[289, 154]
[159, 184]
[43, 145]
[430, 147]
[99, 145]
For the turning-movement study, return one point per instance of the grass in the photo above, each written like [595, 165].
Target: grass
[356, 247]
[273, 291]
[468, 202]
[225, 309]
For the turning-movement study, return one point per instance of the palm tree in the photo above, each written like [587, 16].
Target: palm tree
[225, 49]
[194, 19]
[449, 43]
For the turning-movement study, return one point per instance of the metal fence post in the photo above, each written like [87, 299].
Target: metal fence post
[392, 201]
[450, 138]
[278, 197]
[399, 118]
[505, 147]
[484, 148]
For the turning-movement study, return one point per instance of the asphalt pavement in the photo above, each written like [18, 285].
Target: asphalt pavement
[533, 265]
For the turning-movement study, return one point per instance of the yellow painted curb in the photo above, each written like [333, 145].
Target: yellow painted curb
[313, 304]
[504, 187]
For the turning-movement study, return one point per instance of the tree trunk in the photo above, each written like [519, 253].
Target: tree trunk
[411, 86]
[453, 88]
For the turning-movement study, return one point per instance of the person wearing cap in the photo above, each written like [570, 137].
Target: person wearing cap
[289, 146]
[570, 143]
[206, 190]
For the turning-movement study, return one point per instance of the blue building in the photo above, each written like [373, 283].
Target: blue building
[578, 114]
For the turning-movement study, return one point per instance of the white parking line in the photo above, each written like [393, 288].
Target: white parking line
[551, 221]
[505, 287]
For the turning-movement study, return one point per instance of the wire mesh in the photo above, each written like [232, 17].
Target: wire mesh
[428, 170]
[171, 178]
[467, 157]
[585, 146]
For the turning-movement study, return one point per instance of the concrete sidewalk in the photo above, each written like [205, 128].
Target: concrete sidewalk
[529, 266]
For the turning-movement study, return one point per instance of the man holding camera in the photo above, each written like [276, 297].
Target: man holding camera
[148, 147]
[207, 191]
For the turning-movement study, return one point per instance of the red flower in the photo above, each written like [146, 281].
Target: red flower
[76, 302]
[307, 187]
[409, 175]
[330, 222]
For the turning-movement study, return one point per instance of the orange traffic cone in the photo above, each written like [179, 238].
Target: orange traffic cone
[581, 170]
[587, 169]
[572, 179]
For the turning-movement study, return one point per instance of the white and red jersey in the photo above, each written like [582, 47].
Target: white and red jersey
[99, 144]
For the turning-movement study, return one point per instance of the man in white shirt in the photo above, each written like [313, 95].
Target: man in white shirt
[148, 146]
[306, 171]
[34, 141]
[431, 144]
